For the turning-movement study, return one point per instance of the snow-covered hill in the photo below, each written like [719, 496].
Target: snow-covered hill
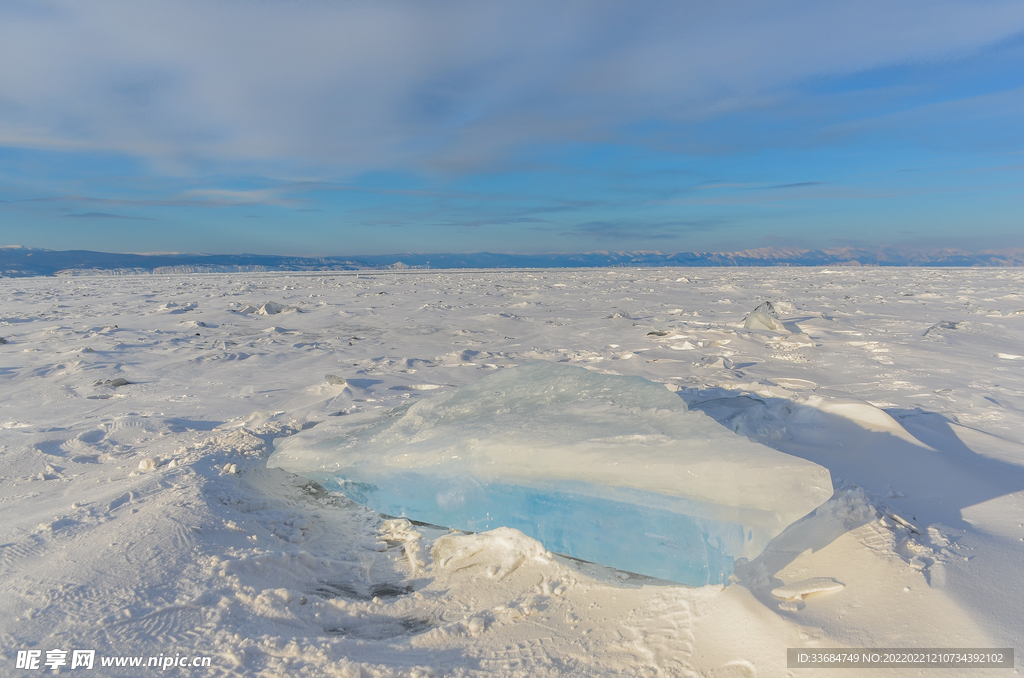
[25, 261]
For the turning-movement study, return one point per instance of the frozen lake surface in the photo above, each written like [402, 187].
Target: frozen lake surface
[138, 515]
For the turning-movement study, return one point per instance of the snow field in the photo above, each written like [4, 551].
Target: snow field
[140, 518]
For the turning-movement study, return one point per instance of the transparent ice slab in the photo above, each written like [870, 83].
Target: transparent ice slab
[606, 468]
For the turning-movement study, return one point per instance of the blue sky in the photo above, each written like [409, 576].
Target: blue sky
[306, 127]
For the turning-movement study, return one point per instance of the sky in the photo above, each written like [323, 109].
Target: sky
[312, 127]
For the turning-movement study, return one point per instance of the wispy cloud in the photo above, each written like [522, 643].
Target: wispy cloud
[450, 85]
[106, 215]
[192, 198]
[798, 184]
[640, 230]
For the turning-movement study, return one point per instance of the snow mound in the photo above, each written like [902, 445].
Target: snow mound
[865, 415]
[266, 308]
[500, 551]
[274, 308]
[174, 307]
[606, 468]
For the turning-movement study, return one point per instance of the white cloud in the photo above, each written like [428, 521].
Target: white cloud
[356, 86]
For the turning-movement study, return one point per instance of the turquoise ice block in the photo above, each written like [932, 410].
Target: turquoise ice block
[606, 468]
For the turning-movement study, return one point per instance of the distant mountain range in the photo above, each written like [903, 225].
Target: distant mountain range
[16, 261]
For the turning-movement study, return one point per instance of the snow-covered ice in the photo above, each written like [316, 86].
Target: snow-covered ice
[603, 467]
[140, 518]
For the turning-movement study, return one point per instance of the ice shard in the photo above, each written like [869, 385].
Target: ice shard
[606, 468]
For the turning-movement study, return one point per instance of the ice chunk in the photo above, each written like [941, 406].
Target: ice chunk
[759, 320]
[798, 590]
[606, 468]
[938, 327]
